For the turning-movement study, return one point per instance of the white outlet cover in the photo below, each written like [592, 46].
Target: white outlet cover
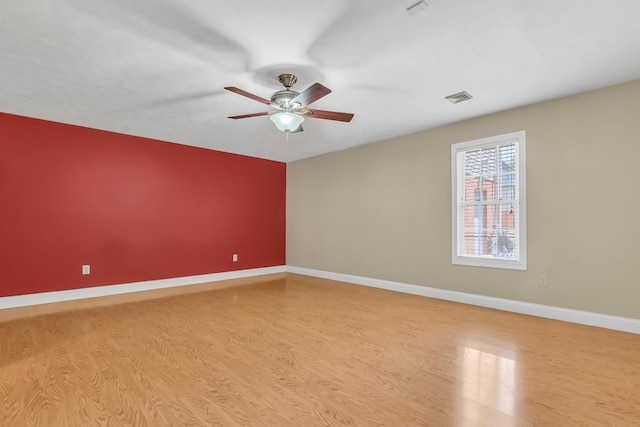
[543, 281]
[235, 257]
[86, 269]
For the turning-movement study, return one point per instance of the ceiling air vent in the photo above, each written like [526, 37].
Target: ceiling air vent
[458, 97]
[417, 8]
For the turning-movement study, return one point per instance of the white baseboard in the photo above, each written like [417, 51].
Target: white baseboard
[101, 291]
[617, 323]
[624, 324]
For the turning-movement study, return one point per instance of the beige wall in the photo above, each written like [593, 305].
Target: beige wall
[383, 210]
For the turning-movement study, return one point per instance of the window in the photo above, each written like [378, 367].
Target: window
[488, 202]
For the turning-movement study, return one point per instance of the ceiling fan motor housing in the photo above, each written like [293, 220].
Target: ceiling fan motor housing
[283, 98]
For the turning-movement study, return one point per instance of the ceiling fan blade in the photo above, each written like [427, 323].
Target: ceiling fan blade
[244, 116]
[311, 94]
[299, 129]
[330, 115]
[247, 94]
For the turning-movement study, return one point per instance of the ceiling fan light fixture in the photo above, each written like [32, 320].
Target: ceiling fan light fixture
[286, 121]
[292, 107]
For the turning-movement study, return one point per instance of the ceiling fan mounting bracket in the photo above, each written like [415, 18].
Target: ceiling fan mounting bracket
[287, 80]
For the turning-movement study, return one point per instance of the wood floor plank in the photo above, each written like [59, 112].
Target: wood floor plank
[301, 351]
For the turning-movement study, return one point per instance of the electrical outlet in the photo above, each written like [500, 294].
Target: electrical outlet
[86, 269]
[543, 281]
[235, 257]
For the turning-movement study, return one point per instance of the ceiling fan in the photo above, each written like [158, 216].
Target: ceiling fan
[291, 107]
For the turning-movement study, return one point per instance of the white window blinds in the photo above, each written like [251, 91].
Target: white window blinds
[488, 204]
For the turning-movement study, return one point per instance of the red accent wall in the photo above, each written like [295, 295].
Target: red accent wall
[133, 208]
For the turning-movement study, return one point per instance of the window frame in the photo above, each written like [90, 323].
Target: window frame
[520, 198]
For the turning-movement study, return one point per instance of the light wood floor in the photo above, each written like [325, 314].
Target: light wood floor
[302, 351]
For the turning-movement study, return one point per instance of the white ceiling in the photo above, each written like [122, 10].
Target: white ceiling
[157, 68]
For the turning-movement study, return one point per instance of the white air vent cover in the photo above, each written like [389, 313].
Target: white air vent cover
[417, 8]
[458, 97]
